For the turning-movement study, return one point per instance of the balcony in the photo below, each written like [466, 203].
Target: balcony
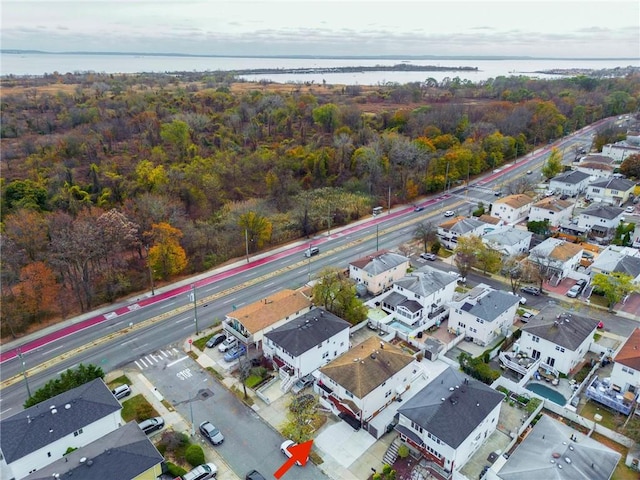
[602, 392]
[229, 327]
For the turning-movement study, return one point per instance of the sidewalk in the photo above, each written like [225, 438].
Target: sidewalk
[172, 419]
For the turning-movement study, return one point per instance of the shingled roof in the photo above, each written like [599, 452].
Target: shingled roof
[451, 406]
[38, 426]
[425, 281]
[379, 262]
[629, 354]
[515, 201]
[367, 366]
[567, 330]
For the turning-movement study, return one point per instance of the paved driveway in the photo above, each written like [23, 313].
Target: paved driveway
[249, 441]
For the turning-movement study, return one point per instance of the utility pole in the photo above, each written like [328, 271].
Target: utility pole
[195, 306]
[389, 199]
[446, 178]
[309, 264]
[328, 220]
[377, 247]
[246, 242]
[24, 371]
[193, 425]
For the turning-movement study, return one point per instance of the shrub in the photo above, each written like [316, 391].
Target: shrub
[502, 389]
[194, 455]
[403, 451]
[175, 470]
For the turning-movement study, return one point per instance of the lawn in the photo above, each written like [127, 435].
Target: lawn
[609, 418]
[121, 380]
[137, 408]
[622, 472]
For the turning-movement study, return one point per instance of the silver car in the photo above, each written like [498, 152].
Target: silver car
[211, 433]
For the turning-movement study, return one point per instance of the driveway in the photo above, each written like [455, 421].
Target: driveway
[249, 441]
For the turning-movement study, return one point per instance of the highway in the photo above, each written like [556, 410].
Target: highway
[128, 333]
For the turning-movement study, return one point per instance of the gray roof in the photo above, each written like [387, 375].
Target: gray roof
[467, 225]
[508, 235]
[565, 329]
[394, 299]
[548, 445]
[628, 265]
[621, 184]
[492, 305]
[36, 427]
[307, 331]
[380, 261]
[426, 281]
[608, 212]
[462, 410]
[124, 454]
[412, 306]
[571, 177]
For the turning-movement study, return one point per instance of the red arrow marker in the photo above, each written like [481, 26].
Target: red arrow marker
[299, 453]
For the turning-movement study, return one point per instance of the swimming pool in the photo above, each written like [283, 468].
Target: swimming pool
[548, 393]
[398, 325]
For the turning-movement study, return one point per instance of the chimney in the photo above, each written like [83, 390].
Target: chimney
[382, 345]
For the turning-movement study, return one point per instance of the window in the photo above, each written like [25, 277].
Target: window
[535, 339]
[325, 354]
[77, 432]
[560, 349]
[460, 324]
[627, 370]
[48, 454]
[348, 393]
[416, 427]
[479, 320]
[596, 190]
[386, 395]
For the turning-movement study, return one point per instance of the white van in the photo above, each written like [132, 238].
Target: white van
[377, 211]
[201, 472]
[121, 391]
[310, 252]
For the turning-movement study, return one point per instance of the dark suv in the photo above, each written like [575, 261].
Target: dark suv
[254, 475]
[531, 290]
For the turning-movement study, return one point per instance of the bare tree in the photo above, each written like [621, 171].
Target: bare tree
[425, 232]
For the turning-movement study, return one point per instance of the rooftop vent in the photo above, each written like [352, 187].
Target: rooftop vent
[83, 459]
[67, 406]
[373, 356]
[451, 389]
[442, 399]
[54, 411]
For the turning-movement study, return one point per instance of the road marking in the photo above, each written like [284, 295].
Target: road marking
[140, 346]
[150, 361]
[136, 362]
[177, 361]
[164, 353]
[110, 315]
[269, 284]
[183, 320]
[118, 323]
[52, 349]
[5, 411]
[141, 360]
[175, 350]
[128, 341]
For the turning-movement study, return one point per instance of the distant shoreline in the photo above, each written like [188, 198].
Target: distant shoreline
[318, 57]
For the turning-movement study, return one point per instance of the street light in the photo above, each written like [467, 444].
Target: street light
[195, 306]
[24, 372]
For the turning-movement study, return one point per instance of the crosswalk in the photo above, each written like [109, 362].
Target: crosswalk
[153, 359]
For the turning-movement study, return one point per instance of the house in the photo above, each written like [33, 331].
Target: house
[360, 383]
[621, 150]
[306, 343]
[508, 240]
[125, 454]
[448, 420]
[421, 297]
[551, 209]
[249, 323]
[610, 191]
[558, 338]
[596, 166]
[556, 257]
[600, 219]
[492, 222]
[572, 183]
[512, 208]
[482, 313]
[615, 258]
[553, 449]
[625, 376]
[41, 434]
[454, 228]
[379, 270]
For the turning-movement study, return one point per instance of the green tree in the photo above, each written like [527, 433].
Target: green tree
[326, 116]
[67, 380]
[337, 294]
[25, 194]
[177, 133]
[425, 233]
[540, 227]
[613, 286]
[553, 166]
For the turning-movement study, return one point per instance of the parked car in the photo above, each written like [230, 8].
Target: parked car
[121, 391]
[211, 433]
[523, 301]
[151, 425]
[582, 283]
[216, 340]
[428, 256]
[449, 213]
[302, 383]
[254, 475]
[201, 472]
[228, 344]
[524, 318]
[284, 448]
[600, 325]
[235, 353]
[629, 209]
[531, 290]
[574, 291]
[529, 172]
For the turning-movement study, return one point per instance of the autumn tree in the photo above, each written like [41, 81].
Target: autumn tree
[37, 291]
[337, 294]
[425, 232]
[166, 256]
[302, 417]
[553, 165]
[630, 167]
[257, 228]
[614, 286]
[466, 254]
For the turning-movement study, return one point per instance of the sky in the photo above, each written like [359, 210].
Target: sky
[541, 28]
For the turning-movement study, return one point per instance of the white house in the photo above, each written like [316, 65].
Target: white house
[379, 270]
[600, 219]
[560, 341]
[482, 313]
[39, 435]
[449, 420]
[625, 376]
[508, 240]
[557, 256]
[512, 208]
[611, 191]
[615, 258]
[450, 230]
[421, 297]
[596, 166]
[360, 383]
[306, 343]
[551, 209]
[572, 183]
[619, 151]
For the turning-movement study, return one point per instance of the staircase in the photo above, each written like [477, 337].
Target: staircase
[287, 384]
[391, 455]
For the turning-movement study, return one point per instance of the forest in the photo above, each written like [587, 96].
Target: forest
[112, 182]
